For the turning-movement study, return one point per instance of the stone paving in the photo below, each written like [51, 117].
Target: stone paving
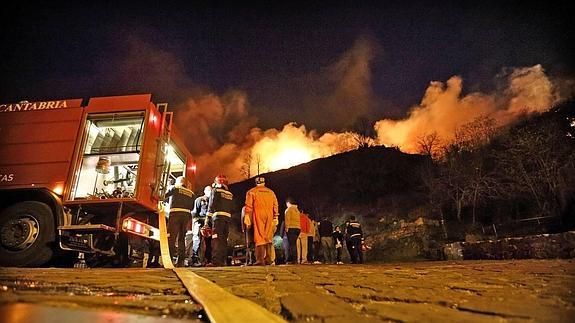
[465, 291]
[153, 292]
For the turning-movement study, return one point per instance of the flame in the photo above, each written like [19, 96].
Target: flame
[289, 147]
[443, 110]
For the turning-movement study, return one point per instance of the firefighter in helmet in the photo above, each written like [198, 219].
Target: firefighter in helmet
[181, 203]
[220, 211]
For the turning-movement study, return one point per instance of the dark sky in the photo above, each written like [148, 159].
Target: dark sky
[92, 48]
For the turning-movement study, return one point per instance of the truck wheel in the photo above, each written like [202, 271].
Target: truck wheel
[27, 234]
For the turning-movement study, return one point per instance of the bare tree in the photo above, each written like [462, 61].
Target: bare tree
[475, 134]
[246, 168]
[540, 161]
[363, 132]
[430, 145]
[435, 186]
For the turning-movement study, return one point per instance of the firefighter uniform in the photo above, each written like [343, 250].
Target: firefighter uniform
[354, 236]
[261, 206]
[220, 210]
[181, 204]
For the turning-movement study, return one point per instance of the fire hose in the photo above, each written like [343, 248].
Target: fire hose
[164, 247]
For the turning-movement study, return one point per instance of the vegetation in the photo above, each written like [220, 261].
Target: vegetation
[502, 176]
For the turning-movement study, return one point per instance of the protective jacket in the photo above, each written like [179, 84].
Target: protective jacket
[353, 229]
[221, 203]
[262, 206]
[181, 199]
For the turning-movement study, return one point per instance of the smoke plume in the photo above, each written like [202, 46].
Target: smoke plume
[221, 129]
[443, 109]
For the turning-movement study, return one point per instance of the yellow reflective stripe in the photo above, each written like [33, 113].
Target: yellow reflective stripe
[178, 209]
[222, 213]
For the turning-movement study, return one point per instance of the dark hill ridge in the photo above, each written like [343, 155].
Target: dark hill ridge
[347, 180]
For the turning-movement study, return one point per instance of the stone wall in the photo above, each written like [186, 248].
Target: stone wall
[559, 245]
[404, 241]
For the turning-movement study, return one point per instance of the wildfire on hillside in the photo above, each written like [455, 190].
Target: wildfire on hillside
[251, 150]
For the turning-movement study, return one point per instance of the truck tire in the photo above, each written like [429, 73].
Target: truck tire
[27, 234]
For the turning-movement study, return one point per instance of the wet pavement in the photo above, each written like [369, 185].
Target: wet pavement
[152, 292]
[464, 291]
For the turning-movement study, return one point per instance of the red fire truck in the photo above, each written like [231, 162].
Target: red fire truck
[84, 177]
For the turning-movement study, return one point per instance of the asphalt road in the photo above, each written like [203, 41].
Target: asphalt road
[467, 291]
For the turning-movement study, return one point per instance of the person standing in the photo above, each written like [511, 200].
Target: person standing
[302, 238]
[338, 241]
[316, 242]
[194, 240]
[355, 234]
[220, 210]
[325, 232]
[292, 229]
[181, 201]
[261, 205]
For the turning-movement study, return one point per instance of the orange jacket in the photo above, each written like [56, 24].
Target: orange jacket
[262, 206]
[304, 223]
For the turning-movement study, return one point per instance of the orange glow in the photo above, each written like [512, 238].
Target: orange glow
[58, 189]
[289, 147]
[443, 108]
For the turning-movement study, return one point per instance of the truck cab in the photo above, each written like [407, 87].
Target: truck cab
[86, 178]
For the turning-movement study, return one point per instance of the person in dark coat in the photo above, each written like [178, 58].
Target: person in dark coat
[355, 239]
[220, 210]
[181, 200]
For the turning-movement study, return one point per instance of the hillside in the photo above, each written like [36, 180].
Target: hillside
[346, 181]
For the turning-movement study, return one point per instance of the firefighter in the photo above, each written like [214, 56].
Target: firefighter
[194, 240]
[354, 240]
[181, 204]
[220, 211]
[262, 207]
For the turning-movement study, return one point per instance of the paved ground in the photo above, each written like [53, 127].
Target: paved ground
[467, 291]
[154, 292]
[470, 291]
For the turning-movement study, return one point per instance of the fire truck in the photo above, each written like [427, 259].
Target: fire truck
[84, 176]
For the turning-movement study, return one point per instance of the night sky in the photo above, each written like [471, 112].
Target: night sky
[273, 53]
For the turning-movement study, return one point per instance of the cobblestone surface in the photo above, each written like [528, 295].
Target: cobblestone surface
[155, 292]
[470, 291]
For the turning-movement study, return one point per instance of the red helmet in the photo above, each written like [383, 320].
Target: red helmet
[221, 180]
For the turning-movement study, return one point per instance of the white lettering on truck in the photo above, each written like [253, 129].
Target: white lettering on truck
[6, 177]
[28, 106]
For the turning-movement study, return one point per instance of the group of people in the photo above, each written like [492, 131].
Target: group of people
[319, 242]
[301, 236]
[198, 228]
